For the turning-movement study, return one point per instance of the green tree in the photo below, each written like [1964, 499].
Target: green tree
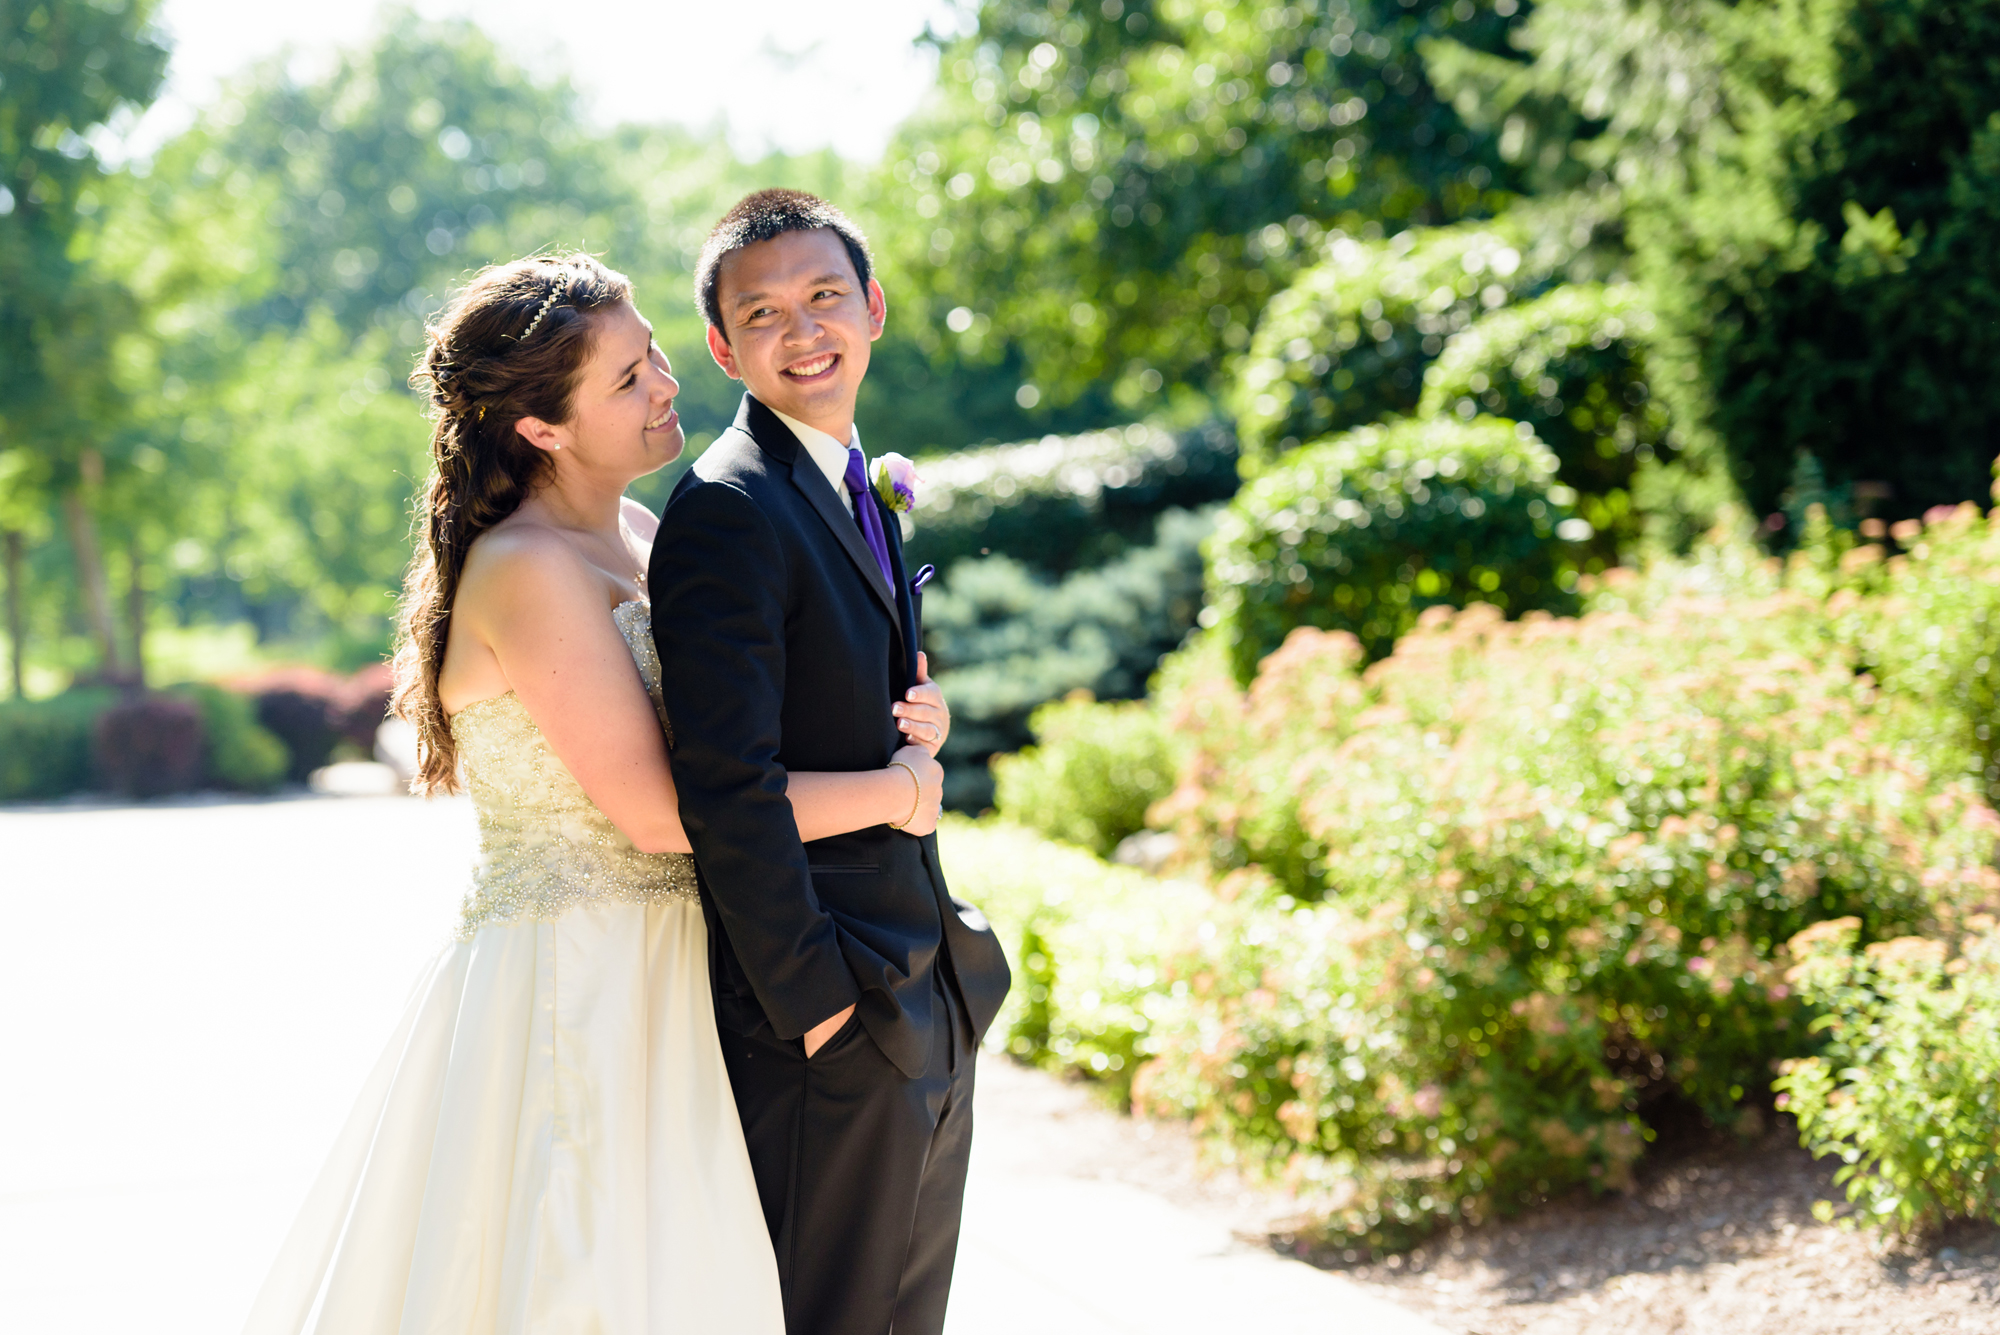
[66, 68]
[1811, 190]
[1104, 194]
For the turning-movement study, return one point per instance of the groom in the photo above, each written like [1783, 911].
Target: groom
[851, 989]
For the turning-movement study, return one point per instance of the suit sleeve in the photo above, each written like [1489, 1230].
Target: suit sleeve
[719, 585]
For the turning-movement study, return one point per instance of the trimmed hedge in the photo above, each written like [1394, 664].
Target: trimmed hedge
[1362, 532]
[1004, 640]
[1347, 343]
[45, 745]
[189, 736]
[1572, 365]
[239, 753]
[1065, 503]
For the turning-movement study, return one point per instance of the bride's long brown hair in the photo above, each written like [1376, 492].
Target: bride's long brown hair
[511, 345]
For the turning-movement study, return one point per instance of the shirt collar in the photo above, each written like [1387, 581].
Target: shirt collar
[828, 453]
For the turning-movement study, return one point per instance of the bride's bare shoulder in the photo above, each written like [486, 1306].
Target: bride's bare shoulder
[518, 564]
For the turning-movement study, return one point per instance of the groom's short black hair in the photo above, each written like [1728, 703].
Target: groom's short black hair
[759, 217]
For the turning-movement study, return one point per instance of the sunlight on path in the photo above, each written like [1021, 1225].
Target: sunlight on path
[195, 992]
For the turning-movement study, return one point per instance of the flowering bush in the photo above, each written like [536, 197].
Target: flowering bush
[1484, 911]
[1907, 1092]
[1363, 531]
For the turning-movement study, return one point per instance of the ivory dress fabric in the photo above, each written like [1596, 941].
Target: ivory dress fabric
[549, 1146]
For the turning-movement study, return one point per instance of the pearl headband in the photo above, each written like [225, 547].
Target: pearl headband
[556, 293]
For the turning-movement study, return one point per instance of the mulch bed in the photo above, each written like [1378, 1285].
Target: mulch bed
[1717, 1237]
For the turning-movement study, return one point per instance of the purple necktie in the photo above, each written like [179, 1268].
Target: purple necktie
[867, 513]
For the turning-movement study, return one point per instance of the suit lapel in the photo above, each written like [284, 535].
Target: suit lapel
[763, 426]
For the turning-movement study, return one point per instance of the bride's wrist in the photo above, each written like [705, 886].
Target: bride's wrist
[905, 793]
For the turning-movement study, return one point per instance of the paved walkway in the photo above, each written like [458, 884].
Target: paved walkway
[193, 993]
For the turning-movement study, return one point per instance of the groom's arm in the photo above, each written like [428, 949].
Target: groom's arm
[720, 589]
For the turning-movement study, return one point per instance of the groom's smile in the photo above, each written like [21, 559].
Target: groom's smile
[797, 323]
[813, 368]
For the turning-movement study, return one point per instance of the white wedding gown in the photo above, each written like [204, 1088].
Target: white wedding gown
[549, 1146]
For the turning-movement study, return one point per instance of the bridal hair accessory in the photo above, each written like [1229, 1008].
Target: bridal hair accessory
[556, 293]
[915, 806]
[896, 483]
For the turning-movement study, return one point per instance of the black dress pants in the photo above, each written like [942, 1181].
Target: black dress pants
[861, 1170]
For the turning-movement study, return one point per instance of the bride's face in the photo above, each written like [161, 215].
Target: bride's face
[622, 419]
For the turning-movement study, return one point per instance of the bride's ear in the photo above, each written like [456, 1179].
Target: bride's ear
[539, 434]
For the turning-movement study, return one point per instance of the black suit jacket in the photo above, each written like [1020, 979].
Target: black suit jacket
[782, 648]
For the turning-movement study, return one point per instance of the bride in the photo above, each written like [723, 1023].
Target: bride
[549, 1144]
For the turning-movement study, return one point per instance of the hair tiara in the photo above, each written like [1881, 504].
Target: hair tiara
[556, 293]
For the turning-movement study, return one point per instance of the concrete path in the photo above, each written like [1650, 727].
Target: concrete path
[193, 993]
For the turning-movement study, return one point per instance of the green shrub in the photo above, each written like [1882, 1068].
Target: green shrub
[240, 754]
[1065, 503]
[45, 745]
[1004, 641]
[1571, 364]
[1091, 775]
[1363, 531]
[1088, 940]
[1907, 1092]
[1347, 343]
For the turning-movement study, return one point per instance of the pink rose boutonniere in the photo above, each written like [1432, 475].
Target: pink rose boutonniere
[896, 483]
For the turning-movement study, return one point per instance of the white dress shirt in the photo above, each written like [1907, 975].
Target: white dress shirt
[828, 453]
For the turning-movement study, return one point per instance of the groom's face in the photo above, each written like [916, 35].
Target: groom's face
[797, 325]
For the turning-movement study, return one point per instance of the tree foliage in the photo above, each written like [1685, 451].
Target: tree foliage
[1114, 190]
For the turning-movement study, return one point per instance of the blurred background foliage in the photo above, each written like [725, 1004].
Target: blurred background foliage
[1700, 255]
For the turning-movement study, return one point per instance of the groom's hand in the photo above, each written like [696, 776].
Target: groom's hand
[817, 1036]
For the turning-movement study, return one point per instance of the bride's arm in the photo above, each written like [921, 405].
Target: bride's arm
[541, 612]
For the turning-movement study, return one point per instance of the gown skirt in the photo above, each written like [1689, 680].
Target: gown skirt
[549, 1146]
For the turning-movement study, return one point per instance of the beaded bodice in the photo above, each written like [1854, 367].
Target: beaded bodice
[544, 847]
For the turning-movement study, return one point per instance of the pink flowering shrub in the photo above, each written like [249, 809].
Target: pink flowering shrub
[1487, 910]
[1907, 1089]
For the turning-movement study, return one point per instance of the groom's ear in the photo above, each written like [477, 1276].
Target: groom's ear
[878, 311]
[725, 356]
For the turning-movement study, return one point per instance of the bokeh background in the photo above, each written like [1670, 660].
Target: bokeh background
[1672, 262]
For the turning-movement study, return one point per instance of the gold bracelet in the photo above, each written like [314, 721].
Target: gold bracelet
[916, 806]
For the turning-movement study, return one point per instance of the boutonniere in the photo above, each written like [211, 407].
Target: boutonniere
[896, 483]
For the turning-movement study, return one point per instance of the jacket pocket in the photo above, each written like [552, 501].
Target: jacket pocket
[844, 869]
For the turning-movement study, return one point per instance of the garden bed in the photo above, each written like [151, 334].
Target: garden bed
[1718, 1236]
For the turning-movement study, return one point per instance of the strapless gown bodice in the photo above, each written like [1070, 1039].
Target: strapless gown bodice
[544, 847]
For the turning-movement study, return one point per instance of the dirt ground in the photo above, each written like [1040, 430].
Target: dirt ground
[1717, 1237]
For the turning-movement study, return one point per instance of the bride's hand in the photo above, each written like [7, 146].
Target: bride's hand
[930, 780]
[922, 715]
